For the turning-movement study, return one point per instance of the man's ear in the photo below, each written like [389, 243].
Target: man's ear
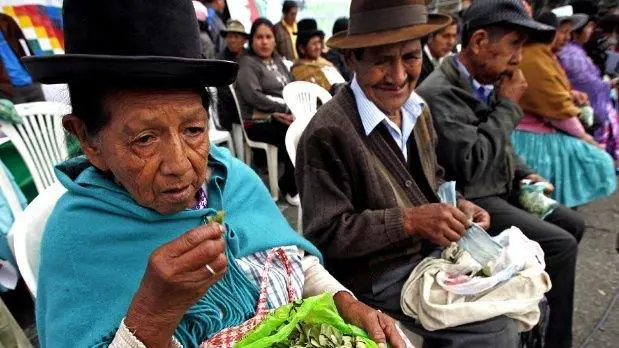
[88, 143]
[479, 39]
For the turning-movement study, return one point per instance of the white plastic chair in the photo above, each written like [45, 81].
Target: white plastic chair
[40, 139]
[27, 231]
[215, 135]
[271, 151]
[293, 135]
[302, 98]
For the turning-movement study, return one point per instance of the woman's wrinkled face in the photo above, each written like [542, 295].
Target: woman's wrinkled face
[263, 42]
[156, 146]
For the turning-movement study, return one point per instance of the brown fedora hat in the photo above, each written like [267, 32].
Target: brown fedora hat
[376, 23]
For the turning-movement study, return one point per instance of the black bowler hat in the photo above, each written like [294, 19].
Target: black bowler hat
[307, 29]
[131, 41]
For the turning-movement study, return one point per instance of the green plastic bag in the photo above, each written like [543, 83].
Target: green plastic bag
[278, 326]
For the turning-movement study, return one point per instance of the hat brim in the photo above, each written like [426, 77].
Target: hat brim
[225, 32]
[578, 20]
[435, 23]
[80, 67]
[533, 27]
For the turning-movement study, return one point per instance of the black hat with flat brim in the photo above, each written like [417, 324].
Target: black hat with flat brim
[307, 29]
[131, 41]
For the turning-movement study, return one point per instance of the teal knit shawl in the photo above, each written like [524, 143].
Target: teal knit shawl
[98, 240]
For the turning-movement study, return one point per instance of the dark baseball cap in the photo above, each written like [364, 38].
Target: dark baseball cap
[483, 13]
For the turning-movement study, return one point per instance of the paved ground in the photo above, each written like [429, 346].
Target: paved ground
[597, 282]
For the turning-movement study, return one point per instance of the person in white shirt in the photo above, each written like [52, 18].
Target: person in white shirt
[438, 46]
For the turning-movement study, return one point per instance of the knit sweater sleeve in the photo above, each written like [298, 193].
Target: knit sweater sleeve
[331, 219]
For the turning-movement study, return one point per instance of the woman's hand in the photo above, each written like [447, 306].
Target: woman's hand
[176, 277]
[379, 326]
[475, 213]
[579, 97]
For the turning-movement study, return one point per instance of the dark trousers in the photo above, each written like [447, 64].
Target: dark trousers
[496, 332]
[558, 236]
[275, 133]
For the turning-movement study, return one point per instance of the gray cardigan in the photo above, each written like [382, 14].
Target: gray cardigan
[474, 138]
[255, 82]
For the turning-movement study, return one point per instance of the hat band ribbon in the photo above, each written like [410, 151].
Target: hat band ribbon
[387, 18]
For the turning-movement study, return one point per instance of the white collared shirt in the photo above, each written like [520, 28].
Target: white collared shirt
[372, 116]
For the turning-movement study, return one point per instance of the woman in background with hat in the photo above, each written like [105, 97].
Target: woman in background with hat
[130, 256]
[311, 66]
[585, 76]
[550, 137]
[261, 82]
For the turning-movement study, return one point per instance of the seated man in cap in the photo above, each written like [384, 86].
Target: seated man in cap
[236, 38]
[474, 121]
[367, 171]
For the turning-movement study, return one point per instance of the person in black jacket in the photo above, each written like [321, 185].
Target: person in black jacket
[438, 46]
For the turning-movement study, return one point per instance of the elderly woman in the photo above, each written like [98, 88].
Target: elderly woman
[550, 137]
[128, 257]
[262, 78]
[311, 66]
[585, 76]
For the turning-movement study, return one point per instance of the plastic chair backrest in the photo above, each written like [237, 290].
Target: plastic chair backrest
[27, 231]
[293, 135]
[302, 98]
[40, 139]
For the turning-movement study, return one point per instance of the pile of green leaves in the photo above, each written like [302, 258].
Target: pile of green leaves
[311, 322]
[320, 335]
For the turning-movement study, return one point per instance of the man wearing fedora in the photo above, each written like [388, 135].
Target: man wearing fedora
[235, 37]
[368, 174]
[474, 100]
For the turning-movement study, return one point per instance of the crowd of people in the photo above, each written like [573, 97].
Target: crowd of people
[490, 96]
[551, 137]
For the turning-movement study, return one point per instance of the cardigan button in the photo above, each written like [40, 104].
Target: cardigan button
[408, 183]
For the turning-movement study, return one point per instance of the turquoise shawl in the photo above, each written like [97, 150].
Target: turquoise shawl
[98, 239]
